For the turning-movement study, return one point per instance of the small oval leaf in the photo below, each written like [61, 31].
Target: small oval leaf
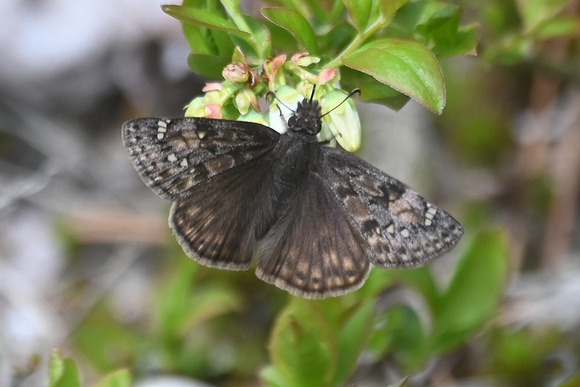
[406, 66]
[474, 291]
[296, 24]
[203, 18]
[209, 66]
[302, 348]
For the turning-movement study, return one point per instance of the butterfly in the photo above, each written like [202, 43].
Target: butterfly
[316, 217]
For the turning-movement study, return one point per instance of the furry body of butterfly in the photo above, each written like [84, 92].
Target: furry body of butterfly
[316, 217]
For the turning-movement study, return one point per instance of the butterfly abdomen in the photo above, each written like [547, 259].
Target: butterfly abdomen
[297, 157]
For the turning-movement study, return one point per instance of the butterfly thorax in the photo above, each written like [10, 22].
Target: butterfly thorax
[295, 157]
[297, 152]
[306, 118]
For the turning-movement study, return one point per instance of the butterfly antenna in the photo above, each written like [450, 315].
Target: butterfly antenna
[313, 91]
[271, 94]
[355, 91]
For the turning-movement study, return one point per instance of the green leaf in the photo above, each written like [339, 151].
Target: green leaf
[55, 367]
[562, 26]
[511, 50]
[70, 376]
[199, 39]
[302, 347]
[378, 282]
[353, 336]
[366, 14]
[422, 281]
[271, 377]
[295, 24]
[372, 90]
[389, 8]
[474, 291]
[238, 55]
[408, 338]
[442, 34]
[100, 334]
[464, 43]
[209, 302]
[120, 378]
[406, 66]
[202, 18]
[412, 15]
[335, 40]
[360, 11]
[209, 66]
[172, 304]
[325, 12]
[438, 17]
[62, 372]
[400, 334]
[223, 43]
[282, 39]
[534, 12]
[203, 40]
[259, 46]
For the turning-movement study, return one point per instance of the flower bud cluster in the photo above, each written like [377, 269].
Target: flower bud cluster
[236, 98]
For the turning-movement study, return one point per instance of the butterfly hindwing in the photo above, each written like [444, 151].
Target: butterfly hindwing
[311, 251]
[172, 156]
[221, 223]
[400, 227]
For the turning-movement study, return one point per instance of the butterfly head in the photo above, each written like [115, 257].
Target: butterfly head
[306, 118]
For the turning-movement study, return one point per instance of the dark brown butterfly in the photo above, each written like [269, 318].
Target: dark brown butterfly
[316, 217]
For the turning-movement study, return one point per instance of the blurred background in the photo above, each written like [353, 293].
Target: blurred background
[87, 262]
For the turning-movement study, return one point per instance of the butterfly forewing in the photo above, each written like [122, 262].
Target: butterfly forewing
[399, 227]
[174, 155]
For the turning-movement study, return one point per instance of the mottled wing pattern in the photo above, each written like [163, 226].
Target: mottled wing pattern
[312, 251]
[399, 227]
[172, 156]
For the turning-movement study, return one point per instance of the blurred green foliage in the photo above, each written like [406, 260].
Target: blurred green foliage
[63, 372]
[387, 45]
[203, 323]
